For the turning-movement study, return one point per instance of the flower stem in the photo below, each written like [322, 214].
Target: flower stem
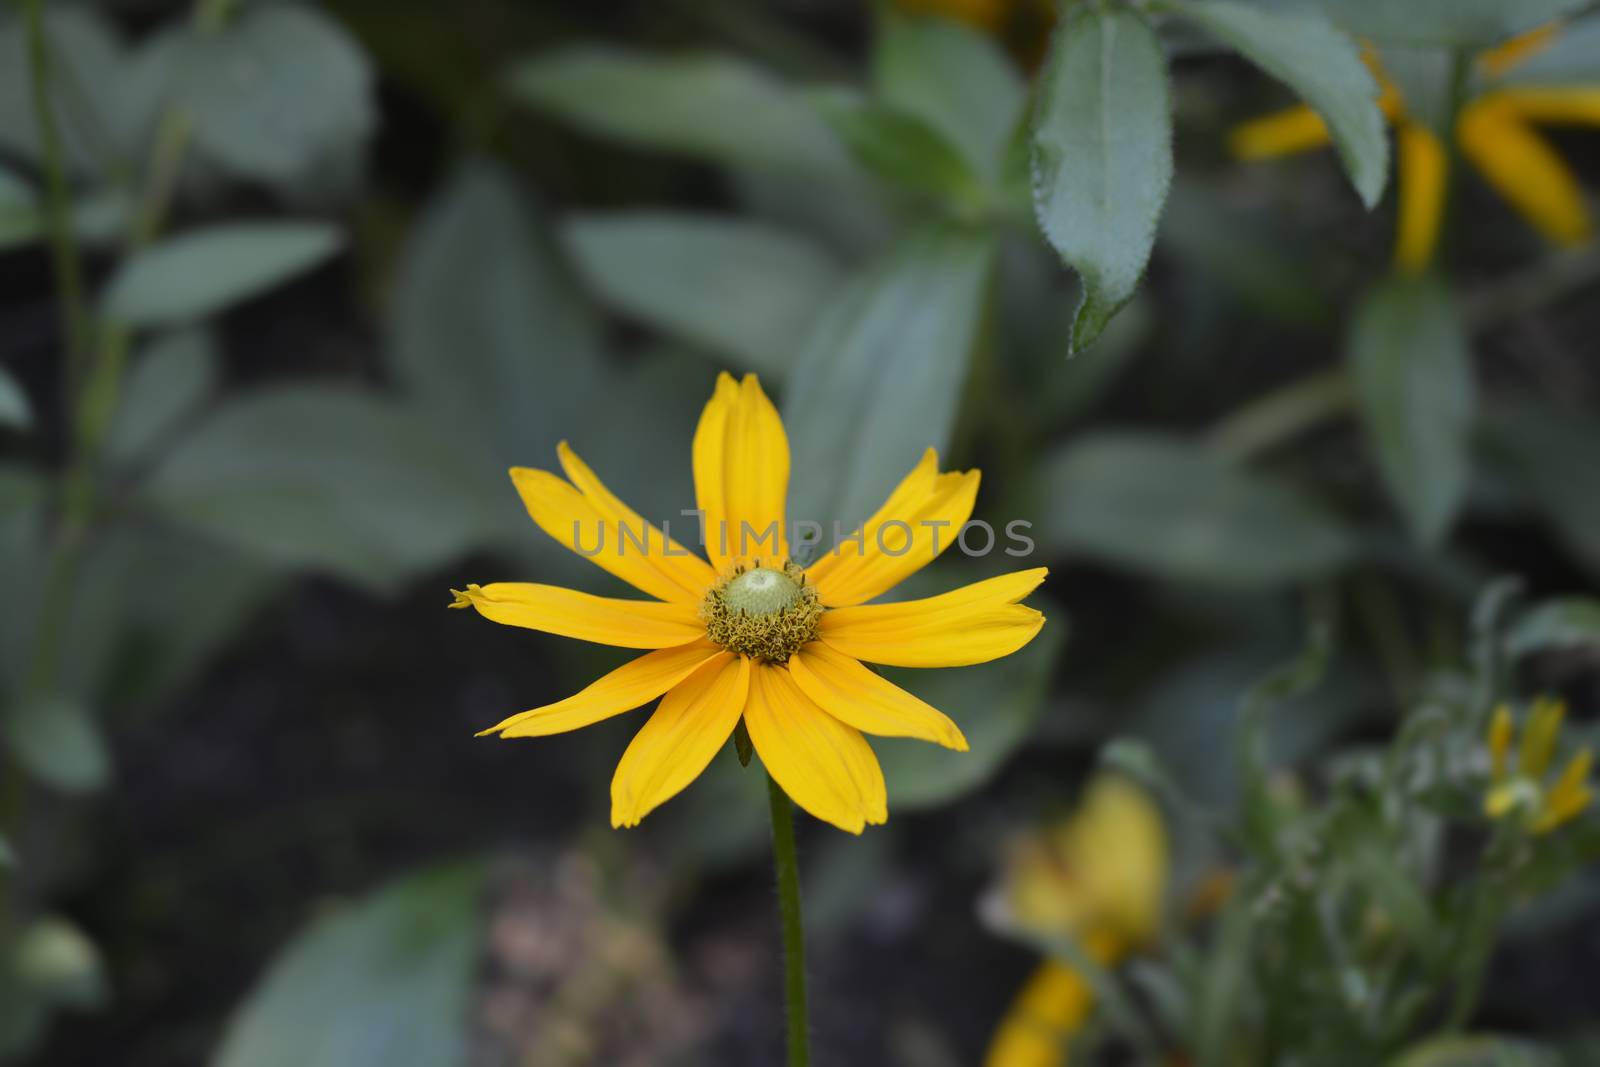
[794, 935]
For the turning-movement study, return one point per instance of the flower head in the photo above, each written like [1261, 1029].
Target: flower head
[747, 634]
[1494, 130]
[1522, 788]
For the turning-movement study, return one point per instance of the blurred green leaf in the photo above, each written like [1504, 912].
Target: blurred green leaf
[710, 107]
[280, 91]
[57, 962]
[21, 221]
[1322, 66]
[1563, 622]
[8, 857]
[327, 478]
[1412, 366]
[1449, 22]
[743, 289]
[996, 705]
[205, 271]
[1102, 156]
[879, 377]
[23, 500]
[1551, 453]
[88, 60]
[16, 413]
[1426, 78]
[382, 982]
[487, 328]
[1473, 1050]
[1572, 58]
[171, 378]
[98, 216]
[905, 151]
[957, 80]
[1165, 507]
[58, 742]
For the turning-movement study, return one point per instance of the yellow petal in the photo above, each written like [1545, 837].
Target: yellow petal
[1503, 58]
[586, 527]
[1297, 129]
[1037, 1028]
[825, 766]
[1423, 167]
[693, 721]
[1503, 798]
[688, 571]
[1500, 729]
[1117, 847]
[603, 620]
[1539, 737]
[859, 697]
[1556, 815]
[1578, 105]
[919, 521]
[635, 683]
[1569, 796]
[741, 475]
[973, 624]
[1525, 170]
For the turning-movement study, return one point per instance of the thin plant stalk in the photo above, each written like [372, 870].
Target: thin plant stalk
[794, 936]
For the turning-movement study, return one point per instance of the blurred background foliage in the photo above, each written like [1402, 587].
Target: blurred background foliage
[341, 265]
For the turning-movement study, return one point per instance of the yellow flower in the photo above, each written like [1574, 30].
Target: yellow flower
[1098, 877]
[750, 636]
[1522, 788]
[1494, 131]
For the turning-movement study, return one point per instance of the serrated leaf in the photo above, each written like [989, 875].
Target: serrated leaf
[906, 152]
[279, 92]
[57, 741]
[707, 106]
[205, 271]
[1164, 507]
[171, 378]
[1446, 22]
[1409, 356]
[879, 377]
[16, 413]
[744, 290]
[1563, 622]
[957, 80]
[1322, 66]
[1102, 156]
[327, 478]
[382, 982]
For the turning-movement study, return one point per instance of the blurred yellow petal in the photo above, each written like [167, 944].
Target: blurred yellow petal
[919, 521]
[1500, 729]
[586, 527]
[973, 624]
[631, 685]
[1503, 58]
[1283, 133]
[694, 720]
[741, 475]
[1525, 170]
[1503, 798]
[860, 697]
[1423, 171]
[688, 571]
[825, 766]
[1119, 847]
[1577, 106]
[569, 613]
[1539, 737]
[1569, 796]
[1048, 1011]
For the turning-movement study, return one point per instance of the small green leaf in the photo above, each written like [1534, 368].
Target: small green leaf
[879, 377]
[706, 106]
[1446, 22]
[1102, 156]
[21, 220]
[57, 962]
[995, 704]
[16, 413]
[1322, 66]
[905, 151]
[1409, 356]
[382, 982]
[170, 380]
[1564, 622]
[1474, 1050]
[279, 93]
[745, 290]
[56, 740]
[202, 272]
[86, 53]
[957, 80]
[1164, 507]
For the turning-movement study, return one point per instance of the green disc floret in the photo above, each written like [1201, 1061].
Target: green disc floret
[765, 613]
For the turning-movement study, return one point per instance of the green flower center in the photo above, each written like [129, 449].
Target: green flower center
[764, 613]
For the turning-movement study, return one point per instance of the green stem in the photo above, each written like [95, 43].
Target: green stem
[1282, 415]
[794, 935]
